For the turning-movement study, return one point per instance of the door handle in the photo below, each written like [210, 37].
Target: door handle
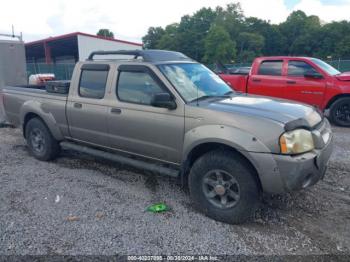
[116, 111]
[291, 82]
[78, 105]
[256, 80]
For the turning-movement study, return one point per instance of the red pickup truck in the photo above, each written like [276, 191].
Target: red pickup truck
[303, 79]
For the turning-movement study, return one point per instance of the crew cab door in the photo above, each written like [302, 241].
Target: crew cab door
[267, 79]
[137, 127]
[86, 106]
[304, 83]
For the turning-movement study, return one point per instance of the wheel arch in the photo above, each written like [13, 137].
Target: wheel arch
[335, 98]
[203, 148]
[32, 109]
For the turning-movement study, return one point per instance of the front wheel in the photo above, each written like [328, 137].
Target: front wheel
[223, 186]
[340, 112]
[41, 143]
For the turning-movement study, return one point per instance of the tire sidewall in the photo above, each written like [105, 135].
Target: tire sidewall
[236, 166]
[36, 123]
[333, 109]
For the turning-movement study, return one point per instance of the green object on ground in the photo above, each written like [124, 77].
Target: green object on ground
[157, 208]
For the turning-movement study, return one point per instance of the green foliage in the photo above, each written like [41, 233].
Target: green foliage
[218, 45]
[208, 34]
[105, 33]
[151, 40]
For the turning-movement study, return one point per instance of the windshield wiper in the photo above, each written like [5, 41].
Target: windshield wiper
[229, 93]
[226, 95]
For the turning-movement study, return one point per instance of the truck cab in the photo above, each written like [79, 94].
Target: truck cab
[302, 79]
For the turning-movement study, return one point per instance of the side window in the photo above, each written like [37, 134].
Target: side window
[93, 83]
[137, 87]
[270, 67]
[299, 68]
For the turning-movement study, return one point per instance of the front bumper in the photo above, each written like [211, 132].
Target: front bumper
[284, 173]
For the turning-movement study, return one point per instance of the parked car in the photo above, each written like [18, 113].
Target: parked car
[171, 115]
[303, 79]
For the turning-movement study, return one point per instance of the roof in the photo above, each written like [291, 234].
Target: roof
[49, 39]
[151, 55]
[282, 57]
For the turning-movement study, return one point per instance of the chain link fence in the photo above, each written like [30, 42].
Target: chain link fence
[62, 71]
[341, 65]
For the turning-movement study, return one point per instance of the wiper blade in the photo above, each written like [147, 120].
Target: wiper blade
[211, 96]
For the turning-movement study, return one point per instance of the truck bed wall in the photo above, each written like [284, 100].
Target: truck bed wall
[237, 82]
[50, 107]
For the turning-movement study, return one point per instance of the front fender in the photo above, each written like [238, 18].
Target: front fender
[36, 108]
[234, 137]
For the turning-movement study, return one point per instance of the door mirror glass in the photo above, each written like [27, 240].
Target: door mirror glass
[163, 100]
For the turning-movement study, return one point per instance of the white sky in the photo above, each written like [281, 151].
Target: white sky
[130, 19]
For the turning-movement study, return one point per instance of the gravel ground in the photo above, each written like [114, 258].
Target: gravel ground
[79, 205]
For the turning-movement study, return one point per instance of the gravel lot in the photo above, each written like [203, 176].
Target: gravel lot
[79, 205]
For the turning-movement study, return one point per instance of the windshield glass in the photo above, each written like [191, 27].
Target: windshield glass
[194, 81]
[326, 67]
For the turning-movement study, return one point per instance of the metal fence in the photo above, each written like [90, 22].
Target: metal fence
[65, 71]
[341, 65]
[61, 71]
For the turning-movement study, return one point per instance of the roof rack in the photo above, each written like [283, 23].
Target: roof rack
[147, 55]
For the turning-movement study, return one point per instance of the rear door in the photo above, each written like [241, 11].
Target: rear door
[302, 88]
[135, 126]
[268, 79]
[86, 106]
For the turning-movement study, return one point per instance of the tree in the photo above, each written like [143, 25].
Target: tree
[105, 33]
[250, 45]
[218, 46]
[197, 36]
[151, 40]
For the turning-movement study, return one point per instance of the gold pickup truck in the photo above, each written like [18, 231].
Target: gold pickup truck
[163, 112]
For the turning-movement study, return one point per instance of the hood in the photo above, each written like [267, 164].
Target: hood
[280, 110]
[343, 76]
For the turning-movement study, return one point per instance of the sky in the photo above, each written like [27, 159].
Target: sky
[130, 19]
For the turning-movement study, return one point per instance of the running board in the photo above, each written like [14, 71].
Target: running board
[122, 159]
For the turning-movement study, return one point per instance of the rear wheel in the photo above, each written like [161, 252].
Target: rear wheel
[41, 143]
[223, 187]
[340, 112]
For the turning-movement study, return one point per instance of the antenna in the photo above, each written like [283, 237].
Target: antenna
[197, 96]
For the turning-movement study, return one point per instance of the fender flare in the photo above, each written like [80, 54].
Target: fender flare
[35, 107]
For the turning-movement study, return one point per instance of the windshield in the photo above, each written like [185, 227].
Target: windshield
[326, 67]
[195, 81]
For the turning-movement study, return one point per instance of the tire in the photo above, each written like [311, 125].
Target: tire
[340, 112]
[206, 169]
[42, 145]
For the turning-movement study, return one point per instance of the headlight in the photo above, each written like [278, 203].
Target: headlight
[296, 142]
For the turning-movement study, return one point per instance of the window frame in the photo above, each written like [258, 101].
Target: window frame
[269, 61]
[140, 69]
[96, 68]
[300, 61]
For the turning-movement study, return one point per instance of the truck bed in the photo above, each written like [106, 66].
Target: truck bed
[16, 98]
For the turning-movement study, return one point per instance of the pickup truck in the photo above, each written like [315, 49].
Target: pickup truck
[163, 112]
[307, 80]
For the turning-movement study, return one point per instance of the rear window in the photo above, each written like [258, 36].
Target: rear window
[271, 68]
[299, 68]
[93, 83]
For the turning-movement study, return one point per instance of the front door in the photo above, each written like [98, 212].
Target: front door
[301, 86]
[135, 126]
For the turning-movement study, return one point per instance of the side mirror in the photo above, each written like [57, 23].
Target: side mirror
[313, 74]
[163, 100]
